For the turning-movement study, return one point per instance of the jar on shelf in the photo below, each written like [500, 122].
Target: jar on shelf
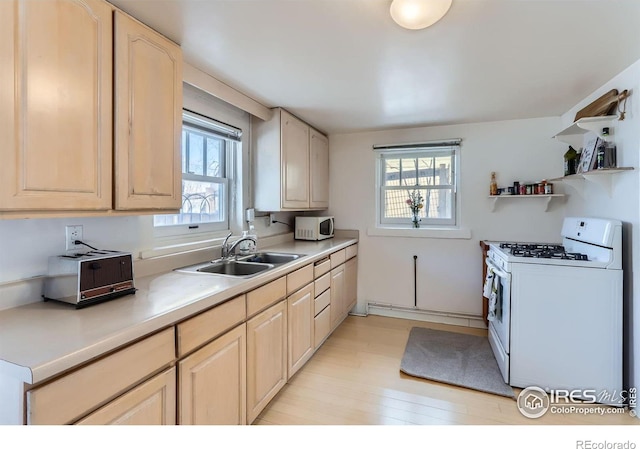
[548, 188]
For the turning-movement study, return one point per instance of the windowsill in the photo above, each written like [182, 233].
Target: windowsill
[430, 233]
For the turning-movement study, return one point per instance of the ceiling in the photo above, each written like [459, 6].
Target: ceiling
[344, 65]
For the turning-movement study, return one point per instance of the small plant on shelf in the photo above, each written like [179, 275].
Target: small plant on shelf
[415, 203]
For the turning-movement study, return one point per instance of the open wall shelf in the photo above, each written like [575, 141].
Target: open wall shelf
[546, 197]
[574, 133]
[602, 177]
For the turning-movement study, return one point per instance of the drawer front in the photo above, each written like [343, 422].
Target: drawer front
[322, 301]
[321, 267]
[299, 278]
[322, 283]
[351, 251]
[68, 398]
[322, 326]
[338, 258]
[206, 326]
[262, 297]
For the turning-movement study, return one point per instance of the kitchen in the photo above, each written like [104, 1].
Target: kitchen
[449, 263]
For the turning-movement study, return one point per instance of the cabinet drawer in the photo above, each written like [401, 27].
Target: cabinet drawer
[262, 297]
[66, 399]
[321, 267]
[299, 278]
[337, 258]
[322, 301]
[351, 251]
[322, 283]
[152, 403]
[206, 326]
[322, 326]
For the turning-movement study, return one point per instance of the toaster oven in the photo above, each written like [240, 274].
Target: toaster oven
[89, 278]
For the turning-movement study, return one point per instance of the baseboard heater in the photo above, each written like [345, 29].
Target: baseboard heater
[412, 310]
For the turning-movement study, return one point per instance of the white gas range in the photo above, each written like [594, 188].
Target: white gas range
[558, 309]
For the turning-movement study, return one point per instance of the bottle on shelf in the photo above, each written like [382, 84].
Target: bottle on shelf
[493, 186]
[570, 161]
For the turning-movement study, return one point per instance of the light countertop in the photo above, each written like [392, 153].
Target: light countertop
[43, 339]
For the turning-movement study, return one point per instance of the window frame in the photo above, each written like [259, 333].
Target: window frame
[227, 133]
[410, 151]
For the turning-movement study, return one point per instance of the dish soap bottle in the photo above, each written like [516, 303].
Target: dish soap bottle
[493, 186]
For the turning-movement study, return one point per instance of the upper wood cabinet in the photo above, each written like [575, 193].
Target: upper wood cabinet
[291, 164]
[319, 170]
[55, 105]
[59, 100]
[148, 118]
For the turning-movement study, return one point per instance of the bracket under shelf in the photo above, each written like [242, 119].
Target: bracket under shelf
[546, 197]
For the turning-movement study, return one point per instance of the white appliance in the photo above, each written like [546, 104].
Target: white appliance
[558, 318]
[314, 228]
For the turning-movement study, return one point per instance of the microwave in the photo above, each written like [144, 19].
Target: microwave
[314, 228]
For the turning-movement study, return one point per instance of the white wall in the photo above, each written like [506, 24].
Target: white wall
[623, 204]
[449, 270]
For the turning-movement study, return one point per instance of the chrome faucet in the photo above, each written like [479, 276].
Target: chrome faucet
[228, 251]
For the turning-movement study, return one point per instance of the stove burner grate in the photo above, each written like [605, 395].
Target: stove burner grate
[541, 251]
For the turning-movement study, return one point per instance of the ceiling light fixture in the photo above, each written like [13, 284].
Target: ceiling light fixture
[418, 14]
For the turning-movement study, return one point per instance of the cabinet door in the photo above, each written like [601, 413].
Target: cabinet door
[300, 312]
[213, 382]
[55, 105]
[319, 170]
[148, 118]
[295, 162]
[337, 295]
[266, 357]
[152, 403]
[351, 284]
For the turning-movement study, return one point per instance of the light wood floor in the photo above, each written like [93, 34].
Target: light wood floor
[354, 378]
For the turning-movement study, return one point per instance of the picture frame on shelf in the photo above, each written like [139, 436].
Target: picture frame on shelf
[588, 156]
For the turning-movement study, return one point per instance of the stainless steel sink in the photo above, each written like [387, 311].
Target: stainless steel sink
[245, 266]
[228, 268]
[271, 258]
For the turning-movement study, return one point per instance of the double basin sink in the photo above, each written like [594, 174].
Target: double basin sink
[243, 266]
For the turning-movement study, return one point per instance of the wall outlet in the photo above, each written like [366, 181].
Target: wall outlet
[73, 233]
[272, 218]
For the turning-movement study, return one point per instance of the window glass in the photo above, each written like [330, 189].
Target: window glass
[429, 173]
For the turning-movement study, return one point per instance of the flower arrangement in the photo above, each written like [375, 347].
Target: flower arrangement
[415, 203]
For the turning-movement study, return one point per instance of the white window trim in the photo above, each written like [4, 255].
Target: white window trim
[436, 228]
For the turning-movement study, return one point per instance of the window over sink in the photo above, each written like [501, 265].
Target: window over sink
[428, 170]
[208, 149]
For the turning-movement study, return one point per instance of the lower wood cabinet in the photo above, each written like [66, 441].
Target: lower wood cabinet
[266, 357]
[300, 312]
[350, 285]
[74, 395]
[151, 403]
[337, 295]
[212, 381]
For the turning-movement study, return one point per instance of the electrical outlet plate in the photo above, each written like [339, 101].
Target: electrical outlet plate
[73, 233]
[272, 218]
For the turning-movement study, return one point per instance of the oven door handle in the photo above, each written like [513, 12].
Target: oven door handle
[495, 269]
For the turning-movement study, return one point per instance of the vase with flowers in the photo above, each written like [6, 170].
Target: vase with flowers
[415, 203]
